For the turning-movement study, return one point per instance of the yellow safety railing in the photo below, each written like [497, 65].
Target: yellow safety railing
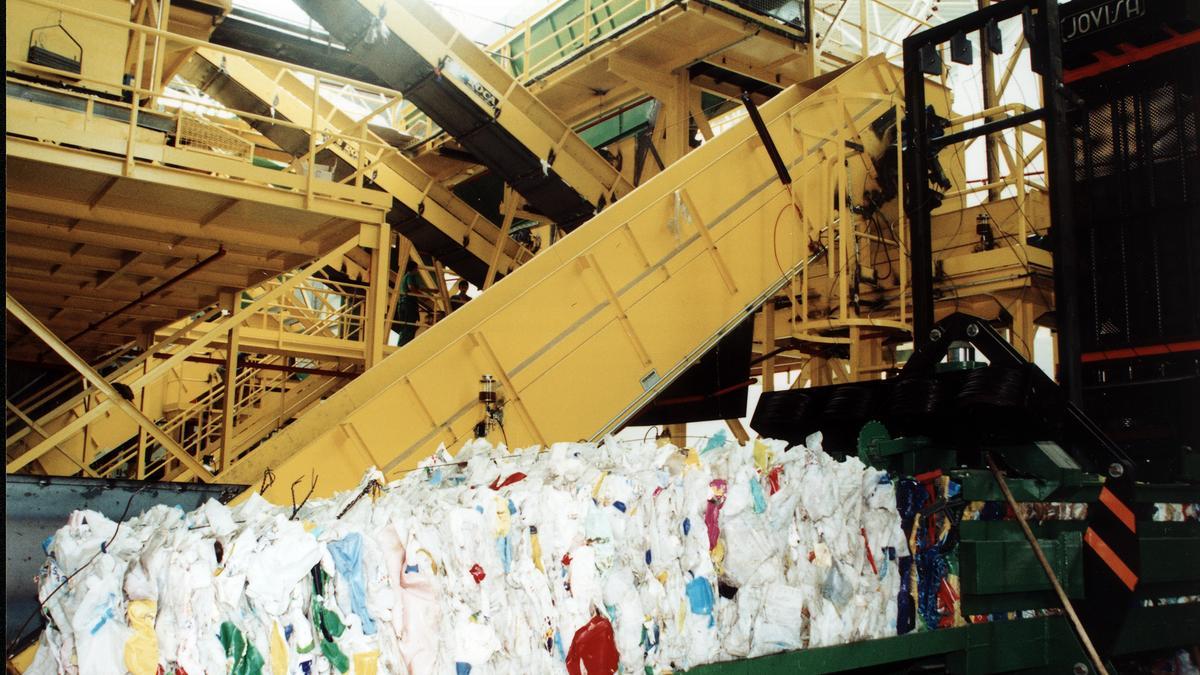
[212, 135]
[562, 29]
[317, 307]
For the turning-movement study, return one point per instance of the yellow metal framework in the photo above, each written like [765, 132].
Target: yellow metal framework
[293, 98]
[585, 334]
[580, 338]
[80, 431]
[526, 117]
[109, 199]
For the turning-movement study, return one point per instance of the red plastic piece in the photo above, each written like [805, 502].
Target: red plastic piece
[712, 514]
[870, 556]
[947, 598]
[514, 478]
[477, 573]
[773, 479]
[595, 648]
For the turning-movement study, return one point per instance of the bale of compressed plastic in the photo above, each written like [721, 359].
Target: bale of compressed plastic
[573, 558]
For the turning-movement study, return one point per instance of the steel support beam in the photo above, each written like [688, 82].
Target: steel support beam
[161, 288]
[229, 406]
[221, 328]
[376, 330]
[97, 380]
[1060, 171]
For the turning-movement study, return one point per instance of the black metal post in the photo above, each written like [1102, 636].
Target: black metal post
[916, 190]
[768, 142]
[1060, 171]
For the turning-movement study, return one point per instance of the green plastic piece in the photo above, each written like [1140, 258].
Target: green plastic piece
[246, 659]
[328, 623]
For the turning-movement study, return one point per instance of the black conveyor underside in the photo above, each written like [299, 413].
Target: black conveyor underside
[426, 237]
[266, 36]
[466, 119]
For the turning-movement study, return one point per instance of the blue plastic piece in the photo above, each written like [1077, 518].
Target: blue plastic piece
[700, 597]
[347, 558]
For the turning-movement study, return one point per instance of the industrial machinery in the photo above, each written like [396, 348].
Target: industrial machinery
[959, 421]
[955, 420]
[253, 241]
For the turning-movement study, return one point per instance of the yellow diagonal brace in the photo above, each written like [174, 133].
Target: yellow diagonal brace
[588, 261]
[97, 380]
[702, 229]
[37, 429]
[52, 441]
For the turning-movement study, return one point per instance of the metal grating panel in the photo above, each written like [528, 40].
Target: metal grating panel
[1136, 170]
[196, 133]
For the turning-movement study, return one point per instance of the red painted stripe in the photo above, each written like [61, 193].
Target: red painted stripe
[1110, 558]
[1118, 508]
[1131, 54]
[1132, 352]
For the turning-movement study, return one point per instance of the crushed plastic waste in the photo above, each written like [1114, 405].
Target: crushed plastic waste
[569, 559]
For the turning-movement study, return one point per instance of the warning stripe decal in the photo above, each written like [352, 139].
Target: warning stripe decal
[1118, 508]
[1110, 558]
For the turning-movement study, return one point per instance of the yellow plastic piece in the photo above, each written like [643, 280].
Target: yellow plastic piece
[503, 517]
[141, 649]
[366, 663]
[279, 651]
[599, 482]
[537, 552]
[762, 456]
